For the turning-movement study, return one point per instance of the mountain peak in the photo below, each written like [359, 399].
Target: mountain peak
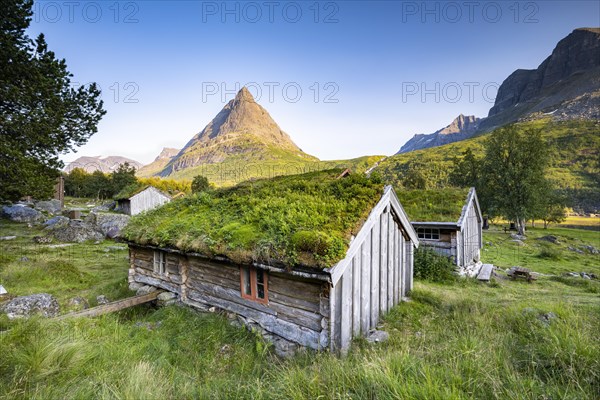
[244, 95]
[242, 129]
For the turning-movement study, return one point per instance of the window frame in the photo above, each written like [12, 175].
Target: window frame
[254, 284]
[160, 263]
[433, 233]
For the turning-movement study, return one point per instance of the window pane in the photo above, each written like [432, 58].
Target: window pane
[260, 276]
[246, 281]
[260, 289]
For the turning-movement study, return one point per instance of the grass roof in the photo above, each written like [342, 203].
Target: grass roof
[305, 219]
[438, 205]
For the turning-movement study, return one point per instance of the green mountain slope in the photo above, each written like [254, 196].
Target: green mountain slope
[574, 167]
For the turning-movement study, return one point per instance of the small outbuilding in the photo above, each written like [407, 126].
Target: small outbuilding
[133, 202]
[448, 221]
[308, 260]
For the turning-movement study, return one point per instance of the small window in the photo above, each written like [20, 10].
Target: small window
[254, 284]
[159, 262]
[428, 233]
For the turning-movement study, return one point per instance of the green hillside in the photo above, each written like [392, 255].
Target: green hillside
[238, 168]
[574, 167]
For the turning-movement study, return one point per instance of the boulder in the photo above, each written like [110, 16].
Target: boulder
[52, 207]
[101, 299]
[550, 238]
[109, 224]
[21, 213]
[25, 306]
[145, 290]
[378, 336]
[105, 207]
[75, 231]
[58, 221]
[78, 303]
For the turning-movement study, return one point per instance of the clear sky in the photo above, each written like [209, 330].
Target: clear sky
[342, 78]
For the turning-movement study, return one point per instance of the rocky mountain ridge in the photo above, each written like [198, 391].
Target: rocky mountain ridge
[565, 86]
[106, 164]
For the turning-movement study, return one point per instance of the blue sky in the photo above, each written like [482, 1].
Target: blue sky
[343, 79]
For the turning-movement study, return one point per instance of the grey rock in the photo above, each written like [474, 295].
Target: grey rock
[24, 259]
[145, 290]
[25, 306]
[7, 238]
[109, 224]
[574, 249]
[42, 239]
[165, 296]
[547, 318]
[585, 276]
[75, 231]
[378, 336]
[20, 213]
[52, 207]
[56, 222]
[591, 249]
[105, 207]
[550, 238]
[78, 303]
[284, 348]
[514, 236]
[2, 290]
[135, 286]
[101, 299]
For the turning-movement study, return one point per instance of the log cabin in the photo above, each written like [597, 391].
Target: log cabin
[313, 260]
[448, 221]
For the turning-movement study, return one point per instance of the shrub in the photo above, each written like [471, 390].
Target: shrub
[429, 265]
[550, 253]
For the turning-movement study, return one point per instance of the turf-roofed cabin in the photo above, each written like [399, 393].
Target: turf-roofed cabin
[448, 221]
[311, 260]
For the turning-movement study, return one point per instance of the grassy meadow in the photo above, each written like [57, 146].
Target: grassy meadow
[457, 340]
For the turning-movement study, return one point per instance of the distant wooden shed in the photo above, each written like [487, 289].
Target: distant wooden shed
[448, 221]
[319, 307]
[140, 200]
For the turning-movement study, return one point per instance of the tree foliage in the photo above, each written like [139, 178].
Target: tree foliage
[513, 173]
[200, 184]
[41, 114]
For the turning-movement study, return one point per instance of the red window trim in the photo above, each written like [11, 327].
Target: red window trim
[253, 286]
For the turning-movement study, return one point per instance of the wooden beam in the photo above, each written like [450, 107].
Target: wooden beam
[113, 306]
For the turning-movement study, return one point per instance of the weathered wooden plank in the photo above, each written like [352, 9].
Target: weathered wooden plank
[325, 303]
[299, 317]
[298, 289]
[148, 280]
[383, 265]
[312, 306]
[143, 264]
[113, 306]
[141, 254]
[356, 303]
[390, 267]
[365, 290]
[221, 271]
[402, 265]
[346, 323]
[290, 331]
[336, 317]
[204, 276]
[375, 259]
[395, 266]
[229, 295]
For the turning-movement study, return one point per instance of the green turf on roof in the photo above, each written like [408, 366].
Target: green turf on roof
[439, 205]
[305, 219]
